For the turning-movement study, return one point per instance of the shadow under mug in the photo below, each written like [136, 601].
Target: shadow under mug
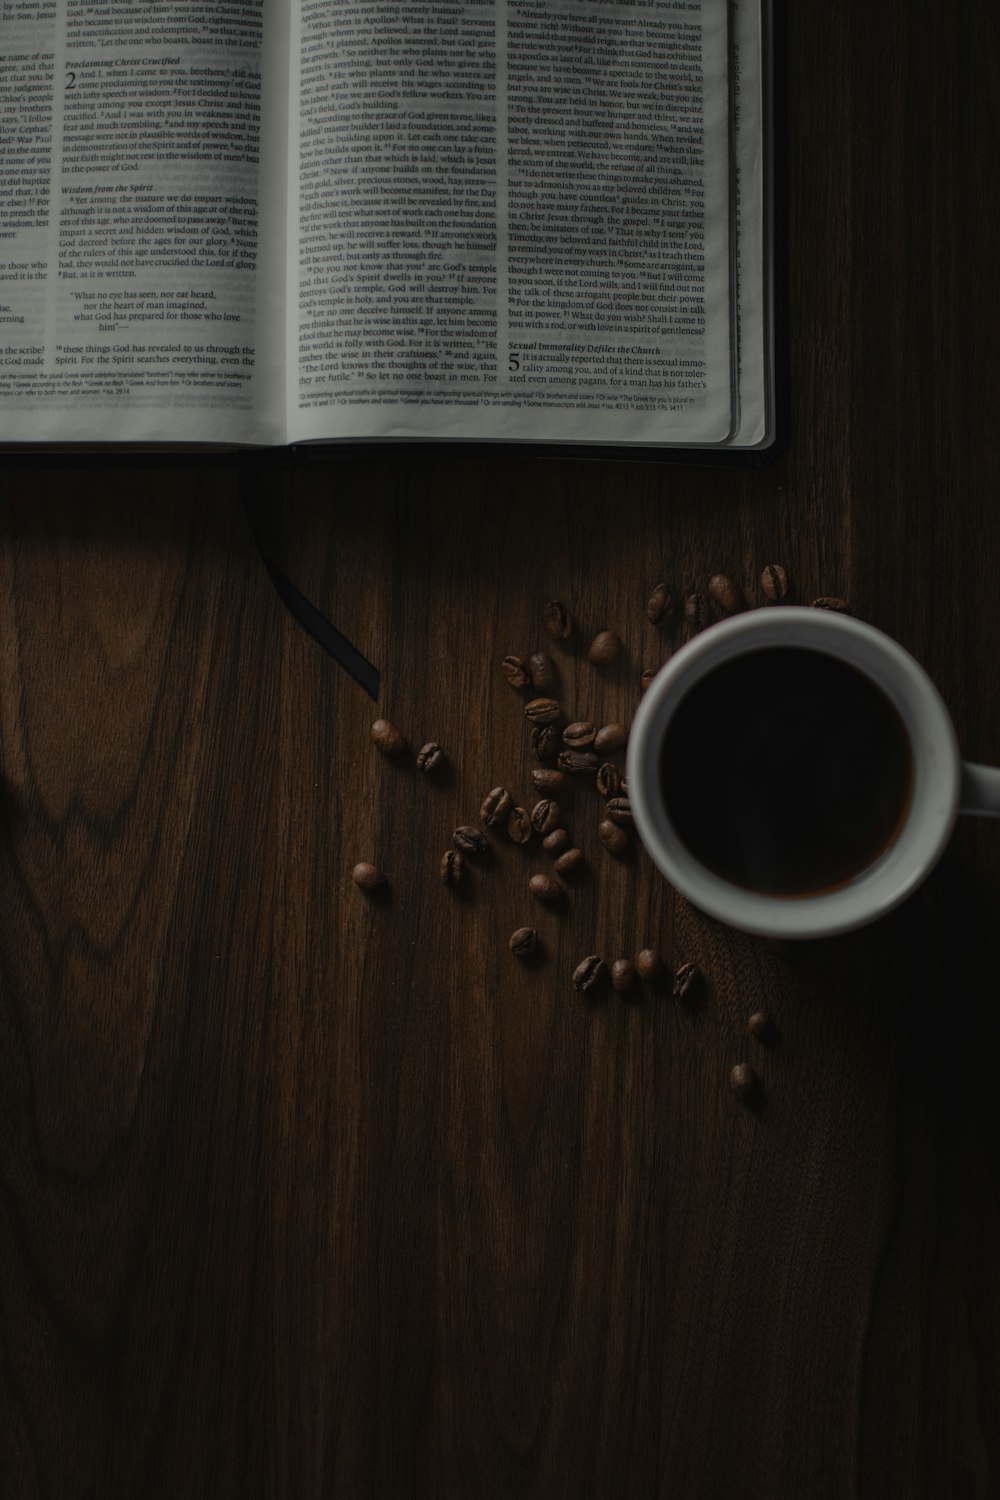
[943, 785]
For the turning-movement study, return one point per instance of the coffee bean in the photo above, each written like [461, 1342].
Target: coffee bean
[604, 648]
[761, 1026]
[725, 594]
[519, 825]
[623, 975]
[468, 840]
[649, 964]
[368, 877]
[556, 841]
[697, 611]
[828, 601]
[544, 741]
[689, 982]
[611, 738]
[452, 867]
[523, 942]
[570, 862]
[515, 671]
[609, 779]
[577, 762]
[542, 671]
[387, 738]
[551, 782]
[557, 620]
[619, 810]
[744, 1083]
[542, 710]
[496, 807]
[430, 756]
[579, 735]
[614, 838]
[590, 974]
[774, 582]
[662, 603]
[545, 888]
[545, 815]
[647, 678]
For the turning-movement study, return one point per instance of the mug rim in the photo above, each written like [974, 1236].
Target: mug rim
[925, 828]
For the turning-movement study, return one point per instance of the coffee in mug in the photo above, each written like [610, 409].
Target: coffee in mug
[786, 771]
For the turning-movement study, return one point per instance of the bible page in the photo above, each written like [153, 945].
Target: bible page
[513, 221]
[753, 259]
[142, 211]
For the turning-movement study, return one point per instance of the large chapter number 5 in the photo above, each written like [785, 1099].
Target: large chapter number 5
[513, 364]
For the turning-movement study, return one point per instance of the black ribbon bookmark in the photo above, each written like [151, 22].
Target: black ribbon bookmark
[318, 626]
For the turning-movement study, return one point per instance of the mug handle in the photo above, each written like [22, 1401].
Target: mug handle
[980, 792]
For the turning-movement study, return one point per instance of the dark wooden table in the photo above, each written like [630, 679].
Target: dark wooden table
[307, 1195]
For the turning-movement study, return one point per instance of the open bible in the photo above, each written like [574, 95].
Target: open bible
[273, 222]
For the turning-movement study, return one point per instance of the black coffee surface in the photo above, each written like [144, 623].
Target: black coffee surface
[786, 771]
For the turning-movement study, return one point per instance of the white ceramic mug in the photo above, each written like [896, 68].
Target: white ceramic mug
[943, 785]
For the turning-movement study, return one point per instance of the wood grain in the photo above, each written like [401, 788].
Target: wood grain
[306, 1194]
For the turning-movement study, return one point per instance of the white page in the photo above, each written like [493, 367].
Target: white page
[142, 205]
[752, 262]
[505, 211]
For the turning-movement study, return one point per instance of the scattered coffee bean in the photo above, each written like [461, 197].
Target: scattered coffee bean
[725, 594]
[468, 840]
[662, 603]
[544, 741]
[545, 888]
[613, 837]
[611, 738]
[367, 876]
[619, 810]
[609, 779]
[430, 756]
[828, 601]
[519, 825]
[387, 738]
[515, 671]
[647, 678]
[688, 982]
[569, 862]
[542, 671]
[577, 762]
[557, 620]
[542, 710]
[496, 807]
[761, 1026]
[774, 582]
[590, 974]
[545, 815]
[556, 842]
[649, 964]
[697, 611]
[579, 735]
[744, 1083]
[452, 867]
[551, 782]
[523, 942]
[604, 648]
[623, 975]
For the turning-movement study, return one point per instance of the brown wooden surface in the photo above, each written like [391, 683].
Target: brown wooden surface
[303, 1195]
